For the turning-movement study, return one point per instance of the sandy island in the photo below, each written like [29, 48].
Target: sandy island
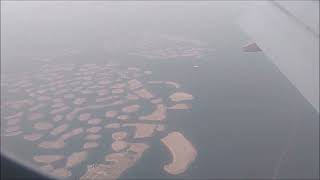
[76, 158]
[182, 151]
[47, 159]
[180, 96]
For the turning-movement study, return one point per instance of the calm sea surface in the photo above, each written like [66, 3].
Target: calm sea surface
[246, 119]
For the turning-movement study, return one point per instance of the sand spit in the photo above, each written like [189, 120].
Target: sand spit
[142, 130]
[76, 158]
[47, 159]
[158, 114]
[180, 96]
[182, 151]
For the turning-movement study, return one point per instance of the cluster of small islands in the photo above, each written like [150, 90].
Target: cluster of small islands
[61, 103]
